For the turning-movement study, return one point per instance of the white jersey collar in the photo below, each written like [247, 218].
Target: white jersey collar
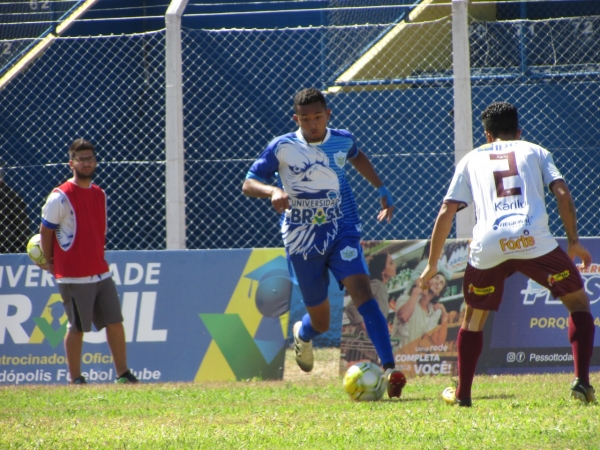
[300, 136]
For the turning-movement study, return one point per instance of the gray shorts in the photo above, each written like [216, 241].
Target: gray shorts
[91, 302]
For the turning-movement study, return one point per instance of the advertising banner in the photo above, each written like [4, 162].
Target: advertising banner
[224, 315]
[530, 330]
[423, 325]
[528, 334]
[188, 316]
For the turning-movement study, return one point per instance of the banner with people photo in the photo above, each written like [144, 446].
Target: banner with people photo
[528, 334]
[423, 325]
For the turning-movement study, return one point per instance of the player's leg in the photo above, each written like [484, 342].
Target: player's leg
[565, 283]
[358, 287]
[312, 277]
[73, 347]
[115, 336]
[107, 313]
[469, 343]
[79, 314]
[581, 336]
[483, 292]
[348, 265]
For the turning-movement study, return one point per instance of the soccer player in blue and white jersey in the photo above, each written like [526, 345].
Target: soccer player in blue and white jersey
[505, 179]
[320, 223]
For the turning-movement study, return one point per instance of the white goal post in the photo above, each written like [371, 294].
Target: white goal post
[175, 187]
[463, 115]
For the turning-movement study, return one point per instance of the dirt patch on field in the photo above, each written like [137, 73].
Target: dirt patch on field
[327, 365]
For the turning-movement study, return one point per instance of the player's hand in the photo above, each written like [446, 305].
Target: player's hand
[387, 205]
[426, 276]
[47, 266]
[280, 200]
[385, 213]
[579, 251]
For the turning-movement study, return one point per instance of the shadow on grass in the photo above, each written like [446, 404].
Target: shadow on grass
[423, 398]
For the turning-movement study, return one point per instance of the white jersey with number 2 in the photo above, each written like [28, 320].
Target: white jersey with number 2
[505, 182]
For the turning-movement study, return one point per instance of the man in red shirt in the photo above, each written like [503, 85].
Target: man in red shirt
[73, 234]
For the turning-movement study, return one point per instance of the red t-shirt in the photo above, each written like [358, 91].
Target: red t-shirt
[85, 257]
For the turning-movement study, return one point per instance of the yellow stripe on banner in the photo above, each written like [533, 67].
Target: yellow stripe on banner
[214, 367]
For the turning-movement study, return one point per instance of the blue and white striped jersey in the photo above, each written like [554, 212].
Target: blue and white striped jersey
[314, 177]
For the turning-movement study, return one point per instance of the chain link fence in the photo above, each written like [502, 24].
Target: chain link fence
[389, 82]
[25, 22]
[109, 90]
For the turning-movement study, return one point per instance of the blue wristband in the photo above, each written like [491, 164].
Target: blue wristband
[383, 192]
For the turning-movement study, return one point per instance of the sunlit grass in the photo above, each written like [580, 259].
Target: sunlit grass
[302, 411]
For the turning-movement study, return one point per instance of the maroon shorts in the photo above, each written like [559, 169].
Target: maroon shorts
[483, 288]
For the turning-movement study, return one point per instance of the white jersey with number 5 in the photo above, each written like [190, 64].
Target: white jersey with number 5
[505, 182]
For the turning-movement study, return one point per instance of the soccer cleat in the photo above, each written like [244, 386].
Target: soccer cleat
[395, 382]
[304, 350]
[127, 378]
[79, 380]
[582, 393]
[449, 396]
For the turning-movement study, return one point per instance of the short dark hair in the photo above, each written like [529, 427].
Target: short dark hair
[309, 96]
[79, 145]
[500, 118]
[377, 266]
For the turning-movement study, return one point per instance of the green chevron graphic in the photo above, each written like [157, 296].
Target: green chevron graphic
[239, 349]
[54, 337]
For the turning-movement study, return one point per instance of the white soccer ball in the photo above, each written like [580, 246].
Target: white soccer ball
[34, 250]
[364, 382]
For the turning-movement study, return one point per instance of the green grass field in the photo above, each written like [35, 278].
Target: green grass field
[308, 411]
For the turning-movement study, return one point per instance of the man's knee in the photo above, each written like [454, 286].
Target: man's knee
[359, 288]
[576, 301]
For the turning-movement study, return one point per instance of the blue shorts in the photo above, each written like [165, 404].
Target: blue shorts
[344, 258]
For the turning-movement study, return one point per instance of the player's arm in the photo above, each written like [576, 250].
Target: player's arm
[568, 215]
[441, 230]
[256, 188]
[363, 166]
[47, 244]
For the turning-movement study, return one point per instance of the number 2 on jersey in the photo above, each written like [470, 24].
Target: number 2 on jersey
[500, 175]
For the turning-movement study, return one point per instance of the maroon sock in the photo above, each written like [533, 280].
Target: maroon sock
[581, 336]
[469, 345]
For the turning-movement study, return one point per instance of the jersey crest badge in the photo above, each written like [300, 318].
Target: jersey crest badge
[340, 159]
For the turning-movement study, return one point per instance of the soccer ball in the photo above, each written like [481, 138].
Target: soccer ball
[364, 382]
[34, 250]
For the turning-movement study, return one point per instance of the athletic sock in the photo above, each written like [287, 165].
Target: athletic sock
[470, 344]
[377, 329]
[581, 336]
[307, 333]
